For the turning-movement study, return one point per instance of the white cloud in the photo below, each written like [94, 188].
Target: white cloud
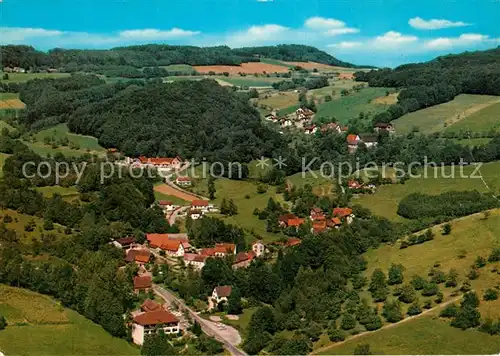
[393, 39]
[19, 34]
[265, 0]
[449, 42]
[434, 24]
[150, 34]
[321, 23]
[258, 34]
[341, 31]
[346, 44]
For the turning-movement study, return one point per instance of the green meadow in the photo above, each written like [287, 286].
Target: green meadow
[24, 77]
[484, 120]
[38, 325]
[350, 106]
[439, 117]
[385, 200]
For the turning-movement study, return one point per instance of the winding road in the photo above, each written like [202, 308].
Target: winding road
[229, 339]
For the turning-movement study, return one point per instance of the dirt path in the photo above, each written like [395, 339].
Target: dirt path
[389, 326]
[169, 190]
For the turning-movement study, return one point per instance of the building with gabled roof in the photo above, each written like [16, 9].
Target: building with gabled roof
[221, 293]
[143, 283]
[243, 259]
[152, 322]
[139, 256]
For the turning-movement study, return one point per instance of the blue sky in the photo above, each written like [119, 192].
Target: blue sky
[377, 32]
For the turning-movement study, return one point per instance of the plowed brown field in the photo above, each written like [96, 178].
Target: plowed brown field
[247, 68]
[12, 104]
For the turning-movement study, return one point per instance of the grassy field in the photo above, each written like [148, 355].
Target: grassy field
[244, 319]
[173, 199]
[9, 96]
[281, 100]
[437, 118]
[473, 234]
[61, 131]
[38, 325]
[57, 189]
[385, 201]
[288, 110]
[335, 85]
[349, 107]
[482, 121]
[473, 142]
[250, 81]
[183, 68]
[19, 221]
[423, 336]
[24, 77]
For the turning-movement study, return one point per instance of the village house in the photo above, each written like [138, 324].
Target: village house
[142, 283]
[201, 205]
[183, 181]
[316, 214]
[286, 122]
[354, 184]
[221, 293]
[344, 214]
[150, 305]
[290, 220]
[303, 114]
[310, 129]
[139, 256]
[334, 223]
[293, 241]
[258, 248]
[152, 322]
[243, 259]
[220, 250]
[319, 226]
[195, 214]
[382, 126]
[19, 70]
[195, 260]
[7, 70]
[159, 162]
[353, 141]
[124, 242]
[332, 126]
[166, 205]
[370, 140]
[271, 117]
[172, 245]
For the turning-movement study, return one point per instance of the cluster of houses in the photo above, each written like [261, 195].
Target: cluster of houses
[320, 222]
[301, 119]
[199, 208]
[14, 70]
[358, 187]
[370, 140]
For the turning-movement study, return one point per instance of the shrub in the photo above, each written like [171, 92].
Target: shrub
[336, 335]
[450, 311]
[446, 229]
[490, 294]
[480, 262]
[430, 289]
[7, 219]
[348, 322]
[495, 255]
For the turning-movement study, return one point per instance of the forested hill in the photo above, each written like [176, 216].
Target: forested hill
[469, 72]
[437, 81]
[188, 118]
[158, 55]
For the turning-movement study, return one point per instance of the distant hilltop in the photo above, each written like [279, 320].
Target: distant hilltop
[152, 55]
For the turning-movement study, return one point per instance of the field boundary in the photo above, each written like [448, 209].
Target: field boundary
[467, 112]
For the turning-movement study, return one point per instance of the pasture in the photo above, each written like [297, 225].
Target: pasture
[484, 120]
[280, 100]
[385, 200]
[423, 336]
[390, 99]
[350, 106]
[179, 68]
[248, 68]
[439, 117]
[20, 221]
[250, 81]
[311, 65]
[61, 131]
[471, 236]
[69, 192]
[472, 142]
[38, 325]
[8, 96]
[24, 77]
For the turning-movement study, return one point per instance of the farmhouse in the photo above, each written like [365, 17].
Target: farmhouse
[353, 141]
[150, 305]
[271, 117]
[195, 214]
[302, 114]
[316, 214]
[286, 122]
[310, 129]
[293, 241]
[243, 259]
[334, 222]
[369, 140]
[166, 162]
[344, 214]
[152, 322]
[142, 283]
[319, 226]
[166, 205]
[221, 293]
[290, 220]
[382, 126]
[220, 250]
[173, 248]
[201, 205]
[124, 242]
[183, 181]
[173, 245]
[195, 260]
[258, 248]
[332, 126]
[139, 256]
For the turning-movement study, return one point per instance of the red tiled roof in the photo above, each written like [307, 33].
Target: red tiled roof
[207, 252]
[224, 248]
[284, 218]
[155, 318]
[150, 305]
[165, 202]
[142, 282]
[183, 179]
[126, 240]
[141, 256]
[383, 125]
[319, 226]
[194, 257]
[157, 161]
[352, 139]
[244, 256]
[223, 291]
[293, 242]
[199, 203]
[171, 245]
[342, 212]
[295, 222]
